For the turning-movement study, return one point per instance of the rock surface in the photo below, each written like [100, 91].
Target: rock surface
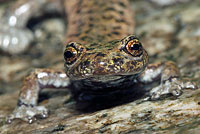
[168, 33]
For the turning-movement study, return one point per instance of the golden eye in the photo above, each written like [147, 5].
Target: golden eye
[70, 55]
[134, 47]
[73, 51]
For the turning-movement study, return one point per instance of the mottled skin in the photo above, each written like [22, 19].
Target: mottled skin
[101, 55]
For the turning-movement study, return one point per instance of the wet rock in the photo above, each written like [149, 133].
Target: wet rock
[169, 2]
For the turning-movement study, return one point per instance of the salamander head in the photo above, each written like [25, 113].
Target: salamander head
[105, 62]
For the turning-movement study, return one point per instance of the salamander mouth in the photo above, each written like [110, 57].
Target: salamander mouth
[104, 82]
[105, 77]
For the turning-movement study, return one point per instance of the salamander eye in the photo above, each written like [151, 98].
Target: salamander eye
[133, 46]
[72, 53]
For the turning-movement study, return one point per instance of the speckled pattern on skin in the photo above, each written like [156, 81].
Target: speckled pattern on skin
[100, 54]
[102, 60]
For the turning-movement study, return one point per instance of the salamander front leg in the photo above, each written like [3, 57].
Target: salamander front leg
[27, 108]
[170, 81]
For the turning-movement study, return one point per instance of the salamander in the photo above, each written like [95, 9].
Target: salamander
[101, 55]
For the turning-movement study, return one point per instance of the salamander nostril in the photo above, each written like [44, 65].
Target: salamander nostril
[68, 54]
